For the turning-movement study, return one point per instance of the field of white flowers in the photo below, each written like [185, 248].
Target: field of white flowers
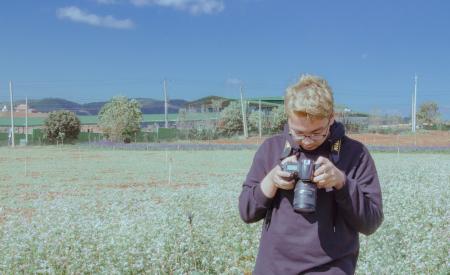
[72, 210]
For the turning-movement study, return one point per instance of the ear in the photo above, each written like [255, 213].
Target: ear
[332, 119]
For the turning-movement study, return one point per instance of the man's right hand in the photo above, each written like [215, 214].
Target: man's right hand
[278, 178]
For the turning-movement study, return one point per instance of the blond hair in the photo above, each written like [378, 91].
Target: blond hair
[311, 96]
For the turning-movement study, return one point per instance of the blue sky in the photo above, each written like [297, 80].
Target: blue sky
[91, 50]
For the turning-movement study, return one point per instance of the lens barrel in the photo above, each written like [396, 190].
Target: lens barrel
[305, 197]
[305, 191]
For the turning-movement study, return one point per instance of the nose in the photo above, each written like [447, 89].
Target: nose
[307, 140]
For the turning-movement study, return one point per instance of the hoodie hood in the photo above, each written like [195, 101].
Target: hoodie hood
[333, 141]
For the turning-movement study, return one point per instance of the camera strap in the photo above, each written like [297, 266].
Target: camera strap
[288, 150]
[335, 150]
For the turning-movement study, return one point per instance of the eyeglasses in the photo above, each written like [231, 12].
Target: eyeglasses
[313, 137]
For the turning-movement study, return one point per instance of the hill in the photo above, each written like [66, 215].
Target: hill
[149, 106]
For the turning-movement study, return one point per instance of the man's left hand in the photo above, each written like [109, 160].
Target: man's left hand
[328, 175]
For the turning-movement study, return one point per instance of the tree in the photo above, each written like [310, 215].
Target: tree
[120, 119]
[216, 104]
[63, 126]
[428, 113]
[230, 122]
[279, 119]
[253, 122]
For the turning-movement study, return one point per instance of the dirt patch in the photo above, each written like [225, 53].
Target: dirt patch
[54, 195]
[154, 184]
[92, 157]
[35, 174]
[109, 170]
[157, 200]
[219, 175]
[133, 185]
[27, 213]
[185, 185]
[5, 178]
[21, 159]
[250, 140]
[432, 138]
[428, 138]
[177, 186]
[24, 185]
[28, 196]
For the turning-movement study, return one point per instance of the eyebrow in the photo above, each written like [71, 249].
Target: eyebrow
[318, 129]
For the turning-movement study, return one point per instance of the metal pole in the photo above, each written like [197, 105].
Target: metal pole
[26, 120]
[415, 102]
[260, 124]
[165, 106]
[412, 112]
[244, 119]
[12, 113]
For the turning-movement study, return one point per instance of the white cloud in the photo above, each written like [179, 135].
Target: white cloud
[107, 2]
[75, 14]
[234, 81]
[192, 6]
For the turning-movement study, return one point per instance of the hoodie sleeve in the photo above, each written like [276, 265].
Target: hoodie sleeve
[360, 198]
[253, 204]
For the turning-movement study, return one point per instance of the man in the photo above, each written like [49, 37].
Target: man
[348, 191]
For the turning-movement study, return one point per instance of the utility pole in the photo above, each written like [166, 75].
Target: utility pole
[165, 105]
[414, 106]
[26, 120]
[244, 118]
[260, 124]
[412, 112]
[12, 113]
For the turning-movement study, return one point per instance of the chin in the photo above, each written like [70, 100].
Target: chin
[310, 147]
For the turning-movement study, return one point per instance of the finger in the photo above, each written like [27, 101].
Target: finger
[321, 165]
[322, 160]
[321, 170]
[329, 185]
[324, 185]
[320, 184]
[320, 178]
[284, 184]
[283, 174]
[286, 187]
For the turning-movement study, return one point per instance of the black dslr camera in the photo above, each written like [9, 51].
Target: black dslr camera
[305, 189]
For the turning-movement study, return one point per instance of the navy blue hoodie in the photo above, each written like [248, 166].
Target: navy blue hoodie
[325, 241]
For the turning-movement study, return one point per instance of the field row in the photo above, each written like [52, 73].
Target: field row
[74, 210]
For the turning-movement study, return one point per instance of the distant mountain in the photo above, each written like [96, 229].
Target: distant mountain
[207, 103]
[152, 106]
[92, 108]
[49, 104]
[208, 100]
[149, 106]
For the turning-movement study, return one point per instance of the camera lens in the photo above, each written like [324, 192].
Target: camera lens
[305, 197]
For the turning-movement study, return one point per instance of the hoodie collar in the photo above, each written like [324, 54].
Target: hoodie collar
[337, 132]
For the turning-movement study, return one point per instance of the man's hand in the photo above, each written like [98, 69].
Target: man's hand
[278, 178]
[328, 175]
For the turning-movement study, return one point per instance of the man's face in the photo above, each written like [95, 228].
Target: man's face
[307, 132]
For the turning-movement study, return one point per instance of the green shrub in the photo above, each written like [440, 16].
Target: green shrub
[61, 126]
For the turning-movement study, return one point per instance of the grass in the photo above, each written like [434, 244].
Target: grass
[70, 210]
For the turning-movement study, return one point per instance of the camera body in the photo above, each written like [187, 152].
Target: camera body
[305, 191]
